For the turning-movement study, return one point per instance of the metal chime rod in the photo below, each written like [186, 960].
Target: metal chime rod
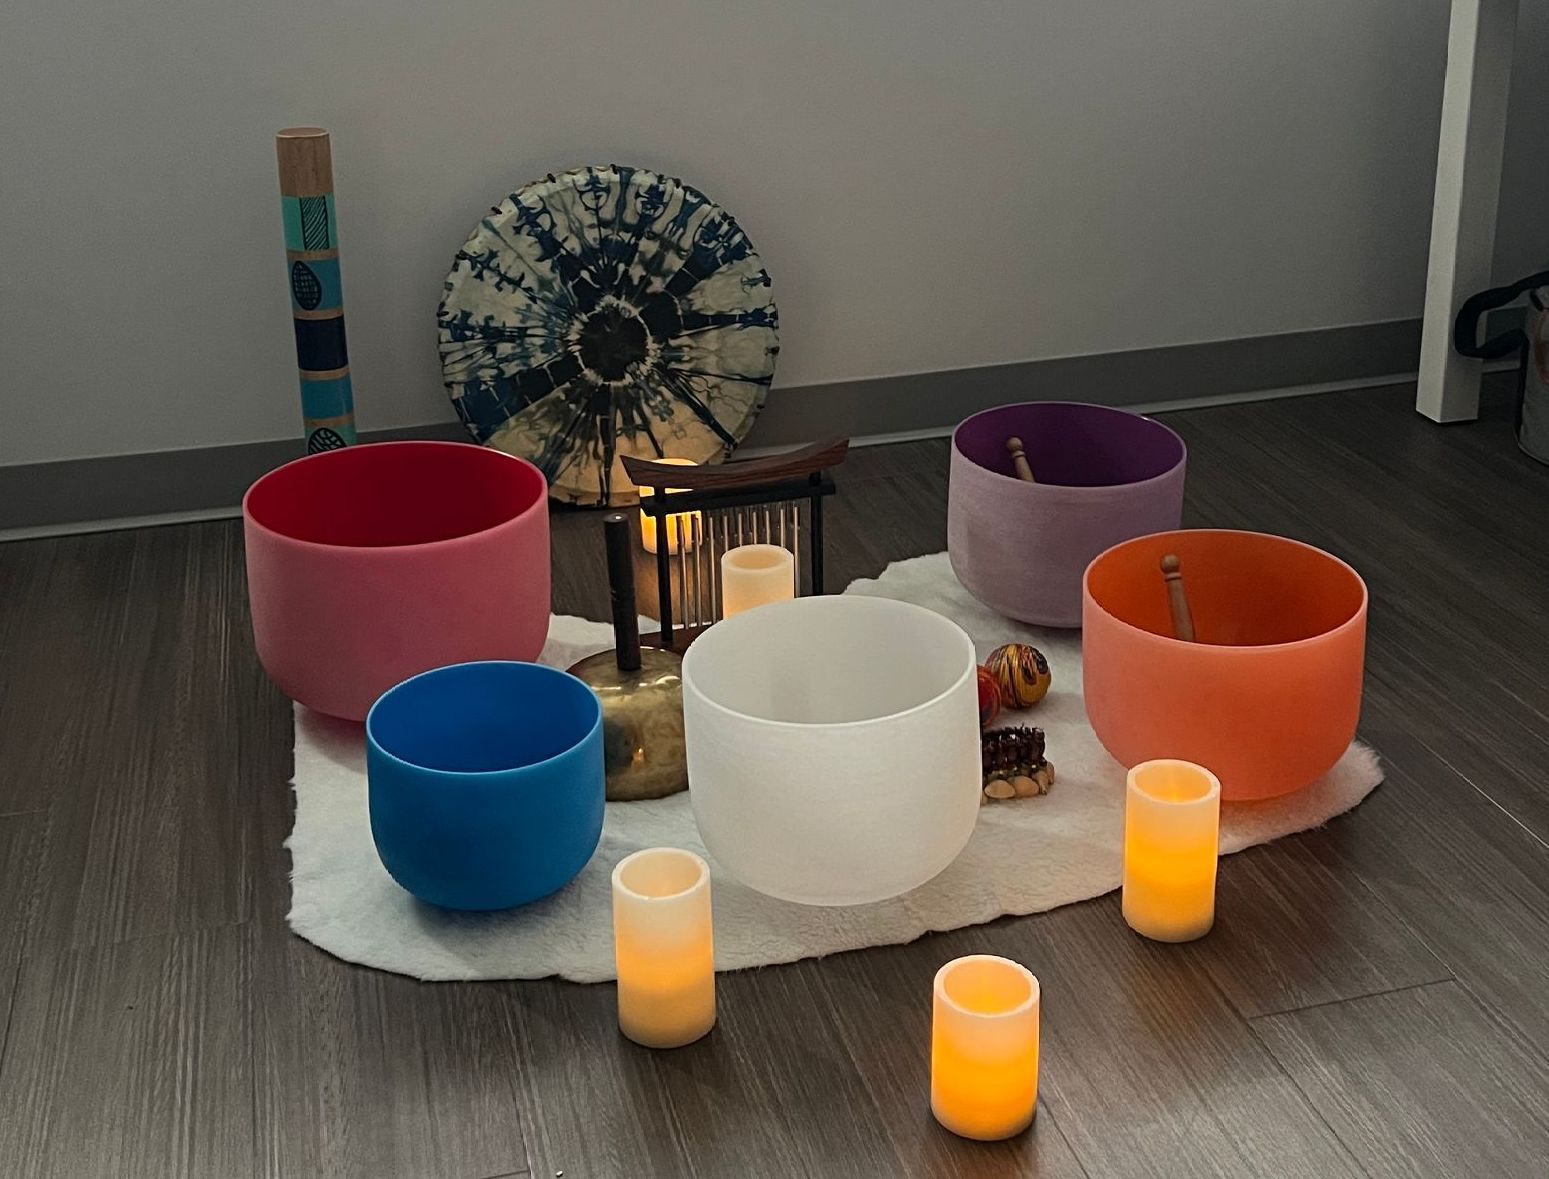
[816, 521]
[663, 579]
[796, 543]
[721, 552]
[713, 561]
[691, 569]
[693, 564]
[712, 571]
[700, 614]
[676, 543]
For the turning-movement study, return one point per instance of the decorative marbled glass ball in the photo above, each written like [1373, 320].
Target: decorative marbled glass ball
[1021, 673]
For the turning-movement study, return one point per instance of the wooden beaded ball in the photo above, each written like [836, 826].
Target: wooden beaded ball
[1021, 673]
[989, 697]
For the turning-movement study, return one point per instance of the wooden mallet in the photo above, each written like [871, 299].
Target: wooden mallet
[1177, 599]
[1019, 460]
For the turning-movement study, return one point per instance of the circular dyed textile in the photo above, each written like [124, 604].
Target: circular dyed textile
[602, 312]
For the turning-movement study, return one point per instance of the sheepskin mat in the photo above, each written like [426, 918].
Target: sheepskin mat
[1025, 856]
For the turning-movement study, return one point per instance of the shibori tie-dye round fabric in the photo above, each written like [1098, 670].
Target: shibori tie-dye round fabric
[603, 312]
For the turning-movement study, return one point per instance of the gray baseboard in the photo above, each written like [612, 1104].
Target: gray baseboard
[1192, 373]
[73, 493]
[133, 487]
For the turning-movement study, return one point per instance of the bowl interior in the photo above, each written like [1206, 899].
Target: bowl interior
[1069, 444]
[1245, 589]
[828, 660]
[483, 717]
[394, 493]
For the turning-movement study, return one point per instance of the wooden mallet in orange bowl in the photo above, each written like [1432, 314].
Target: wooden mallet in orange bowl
[1019, 460]
[1177, 599]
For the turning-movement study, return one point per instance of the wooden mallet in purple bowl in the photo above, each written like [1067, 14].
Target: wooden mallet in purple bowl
[1019, 460]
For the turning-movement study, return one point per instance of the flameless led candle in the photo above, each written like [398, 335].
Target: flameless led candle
[755, 575]
[984, 1047]
[662, 946]
[1172, 820]
[680, 524]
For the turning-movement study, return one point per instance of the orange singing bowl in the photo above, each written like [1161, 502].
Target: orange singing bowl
[1268, 696]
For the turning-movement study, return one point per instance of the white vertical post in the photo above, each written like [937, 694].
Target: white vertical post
[1468, 182]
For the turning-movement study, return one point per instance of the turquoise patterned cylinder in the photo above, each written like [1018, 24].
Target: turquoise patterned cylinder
[316, 292]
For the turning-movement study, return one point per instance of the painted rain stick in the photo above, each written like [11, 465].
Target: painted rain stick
[316, 293]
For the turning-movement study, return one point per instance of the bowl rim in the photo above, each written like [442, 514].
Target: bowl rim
[1357, 618]
[1050, 489]
[251, 521]
[823, 602]
[512, 772]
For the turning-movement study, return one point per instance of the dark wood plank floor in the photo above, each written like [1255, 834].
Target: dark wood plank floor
[1374, 999]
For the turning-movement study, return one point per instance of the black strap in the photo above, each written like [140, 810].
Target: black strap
[1465, 331]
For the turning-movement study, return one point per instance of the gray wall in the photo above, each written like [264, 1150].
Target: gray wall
[933, 186]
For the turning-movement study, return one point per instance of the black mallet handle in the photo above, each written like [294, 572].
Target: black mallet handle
[621, 588]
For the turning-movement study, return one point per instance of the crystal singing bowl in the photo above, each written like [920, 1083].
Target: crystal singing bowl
[1268, 697]
[485, 782]
[1103, 475]
[371, 564]
[833, 746]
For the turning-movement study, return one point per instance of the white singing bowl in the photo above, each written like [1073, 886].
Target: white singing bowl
[833, 746]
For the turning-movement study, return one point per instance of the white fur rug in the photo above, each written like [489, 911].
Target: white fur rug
[1026, 856]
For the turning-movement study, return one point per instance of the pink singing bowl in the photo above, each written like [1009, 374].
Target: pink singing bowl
[1103, 475]
[1268, 697]
[371, 564]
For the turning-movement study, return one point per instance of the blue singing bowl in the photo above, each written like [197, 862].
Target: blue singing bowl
[486, 782]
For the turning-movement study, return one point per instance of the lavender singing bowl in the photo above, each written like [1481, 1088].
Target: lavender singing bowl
[1103, 476]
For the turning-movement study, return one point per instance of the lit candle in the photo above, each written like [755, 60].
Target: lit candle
[663, 948]
[984, 1047]
[680, 524]
[1172, 821]
[755, 575]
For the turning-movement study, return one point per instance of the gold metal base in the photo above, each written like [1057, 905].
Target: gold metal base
[642, 723]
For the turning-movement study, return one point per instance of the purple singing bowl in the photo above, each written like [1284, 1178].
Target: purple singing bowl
[1104, 476]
